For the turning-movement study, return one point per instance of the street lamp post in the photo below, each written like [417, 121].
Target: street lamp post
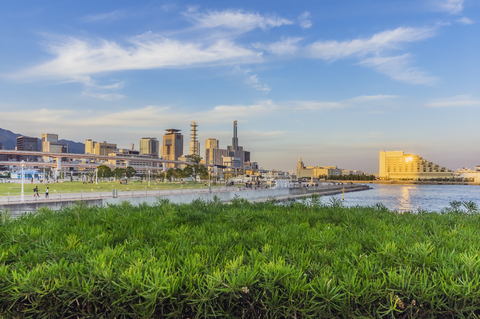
[22, 198]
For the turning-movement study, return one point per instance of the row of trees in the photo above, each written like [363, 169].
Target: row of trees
[105, 172]
[348, 177]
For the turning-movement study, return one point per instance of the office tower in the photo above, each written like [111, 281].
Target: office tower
[172, 147]
[50, 144]
[397, 165]
[194, 143]
[105, 148]
[235, 137]
[210, 145]
[90, 146]
[149, 146]
[25, 143]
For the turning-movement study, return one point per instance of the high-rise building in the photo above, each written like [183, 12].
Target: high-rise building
[90, 146]
[150, 146]
[400, 166]
[194, 143]
[3, 158]
[50, 144]
[105, 148]
[172, 147]
[236, 150]
[25, 143]
[210, 145]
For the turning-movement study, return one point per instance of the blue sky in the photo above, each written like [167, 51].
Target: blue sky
[332, 82]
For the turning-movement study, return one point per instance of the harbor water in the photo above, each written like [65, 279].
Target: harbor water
[412, 197]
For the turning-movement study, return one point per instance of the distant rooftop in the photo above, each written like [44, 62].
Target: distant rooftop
[172, 130]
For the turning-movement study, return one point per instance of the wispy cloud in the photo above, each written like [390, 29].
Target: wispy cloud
[255, 83]
[114, 15]
[464, 20]
[103, 96]
[390, 39]
[450, 6]
[305, 23]
[287, 46]
[236, 20]
[399, 68]
[456, 101]
[75, 58]
[370, 98]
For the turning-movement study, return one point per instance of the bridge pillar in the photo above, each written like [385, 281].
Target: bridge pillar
[59, 166]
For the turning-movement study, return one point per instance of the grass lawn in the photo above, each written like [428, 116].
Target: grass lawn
[241, 260]
[76, 187]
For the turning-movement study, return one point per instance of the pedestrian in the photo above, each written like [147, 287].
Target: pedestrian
[46, 192]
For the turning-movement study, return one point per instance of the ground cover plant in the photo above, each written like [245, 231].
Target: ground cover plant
[240, 260]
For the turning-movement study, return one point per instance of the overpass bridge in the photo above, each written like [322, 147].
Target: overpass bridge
[59, 163]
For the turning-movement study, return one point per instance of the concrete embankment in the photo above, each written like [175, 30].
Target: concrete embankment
[16, 209]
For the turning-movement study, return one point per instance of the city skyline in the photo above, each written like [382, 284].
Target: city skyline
[333, 83]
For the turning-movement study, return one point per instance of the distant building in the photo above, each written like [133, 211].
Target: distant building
[137, 161]
[50, 144]
[104, 148]
[316, 171]
[172, 147]
[469, 174]
[25, 143]
[150, 146]
[3, 158]
[399, 166]
[90, 146]
[237, 151]
[194, 143]
[210, 145]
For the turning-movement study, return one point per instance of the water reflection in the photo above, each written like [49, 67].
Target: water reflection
[412, 197]
[404, 200]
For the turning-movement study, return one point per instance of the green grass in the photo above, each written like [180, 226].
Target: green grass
[76, 187]
[237, 260]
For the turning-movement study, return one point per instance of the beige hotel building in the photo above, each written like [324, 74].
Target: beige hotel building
[396, 165]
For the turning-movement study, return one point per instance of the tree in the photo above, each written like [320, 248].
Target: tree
[118, 172]
[170, 173]
[104, 171]
[130, 172]
[194, 167]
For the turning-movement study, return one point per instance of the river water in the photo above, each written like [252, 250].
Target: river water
[412, 197]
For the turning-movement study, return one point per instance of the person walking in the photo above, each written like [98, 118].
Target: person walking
[35, 191]
[46, 192]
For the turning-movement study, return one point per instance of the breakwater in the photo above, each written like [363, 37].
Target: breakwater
[281, 194]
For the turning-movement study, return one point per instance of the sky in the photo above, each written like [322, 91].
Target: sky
[330, 81]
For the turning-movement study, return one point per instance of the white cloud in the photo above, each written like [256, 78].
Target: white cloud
[315, 105]
[103, 16]
[287, 46]
[304, 22]
[399, 68]
[390, 39]
[77, 58]
[236, 20]
[450, 6]
[456, 101]
[103, 96]
[255, 83]
[464, 20]
[370, 98]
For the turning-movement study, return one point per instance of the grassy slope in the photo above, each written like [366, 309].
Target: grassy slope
[252, 260]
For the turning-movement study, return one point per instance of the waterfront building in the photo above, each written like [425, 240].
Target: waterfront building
[25, 143]
[172, 147]
[396, 165]
[316, 171]
[150, 146]
[466, 174]
[194, 143]
[50, 144]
